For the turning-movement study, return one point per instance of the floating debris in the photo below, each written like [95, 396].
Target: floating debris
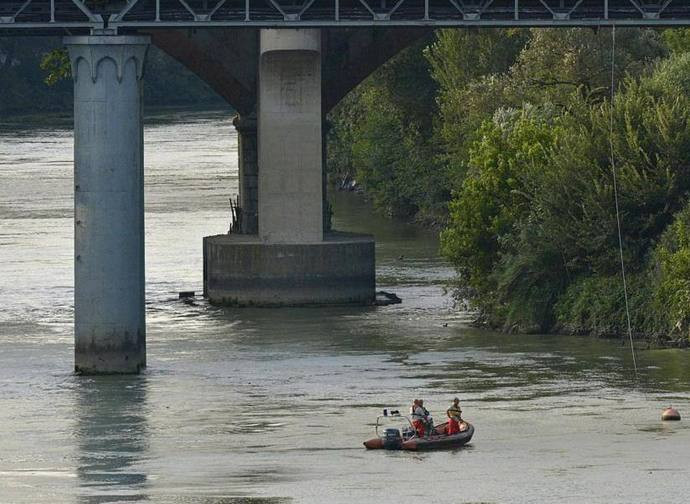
[384, 298]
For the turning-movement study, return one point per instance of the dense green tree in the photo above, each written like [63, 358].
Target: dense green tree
[494, 199]
[382, 136]
[535, 236]
[671, 268]
[480, 71]
[555, 63]
[677, 40]
[469, 67]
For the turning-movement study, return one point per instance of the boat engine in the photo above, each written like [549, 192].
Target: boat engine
[408, 432]
[392, 439]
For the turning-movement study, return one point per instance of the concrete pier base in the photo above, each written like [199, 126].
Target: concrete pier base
[109, 326]
[240, 270]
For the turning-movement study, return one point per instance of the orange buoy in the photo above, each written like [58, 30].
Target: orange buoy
[670, 413]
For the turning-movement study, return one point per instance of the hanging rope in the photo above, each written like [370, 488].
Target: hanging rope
[615, 194]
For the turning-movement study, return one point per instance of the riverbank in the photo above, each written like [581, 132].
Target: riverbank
[517, 149]
[356, 202]
[588, 316]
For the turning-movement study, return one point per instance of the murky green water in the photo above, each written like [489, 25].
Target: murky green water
[272, 405]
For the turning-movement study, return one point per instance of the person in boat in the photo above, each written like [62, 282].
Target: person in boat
[454, 417]
[421, 418]
[418, 415]
[427, 418]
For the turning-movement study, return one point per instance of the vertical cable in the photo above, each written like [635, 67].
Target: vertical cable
[615, 193]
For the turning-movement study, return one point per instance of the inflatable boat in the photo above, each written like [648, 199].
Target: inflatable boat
[406, 438]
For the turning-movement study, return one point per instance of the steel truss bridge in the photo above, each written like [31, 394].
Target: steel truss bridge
[81, 16]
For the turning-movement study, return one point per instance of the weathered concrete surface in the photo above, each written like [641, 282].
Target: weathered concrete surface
[248, 169]
[110, 329]
[289, 121]
[240, 270]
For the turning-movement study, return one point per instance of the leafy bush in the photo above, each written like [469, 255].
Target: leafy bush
[493, 199]
[671, 263]
[535, 218]
[382, 135]
[596, 305]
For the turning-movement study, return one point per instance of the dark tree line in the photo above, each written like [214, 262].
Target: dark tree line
[34, 77]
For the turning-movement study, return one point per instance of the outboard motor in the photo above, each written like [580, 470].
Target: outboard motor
[408, 432]
[392, 439]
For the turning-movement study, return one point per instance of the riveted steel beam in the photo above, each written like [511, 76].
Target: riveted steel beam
[41, 16]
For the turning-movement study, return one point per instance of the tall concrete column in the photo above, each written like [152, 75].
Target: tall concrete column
[248, 172]
[289, 133]
[110, 329]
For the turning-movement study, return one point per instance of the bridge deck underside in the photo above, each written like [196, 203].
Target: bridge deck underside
[45, 16]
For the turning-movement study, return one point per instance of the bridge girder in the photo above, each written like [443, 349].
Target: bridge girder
[53, 16]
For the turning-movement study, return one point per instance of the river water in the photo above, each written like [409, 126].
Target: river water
[263, 405]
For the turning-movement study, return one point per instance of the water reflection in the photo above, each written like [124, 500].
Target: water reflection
[112, 439]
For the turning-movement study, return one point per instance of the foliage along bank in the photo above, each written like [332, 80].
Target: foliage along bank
[503, 135]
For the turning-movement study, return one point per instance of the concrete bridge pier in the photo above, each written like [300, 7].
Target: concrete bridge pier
[291, 260]
[110, 330]
[245, 124]
[290, 140]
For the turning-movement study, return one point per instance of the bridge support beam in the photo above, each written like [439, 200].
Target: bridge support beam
[291, 261]
[110, 330]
